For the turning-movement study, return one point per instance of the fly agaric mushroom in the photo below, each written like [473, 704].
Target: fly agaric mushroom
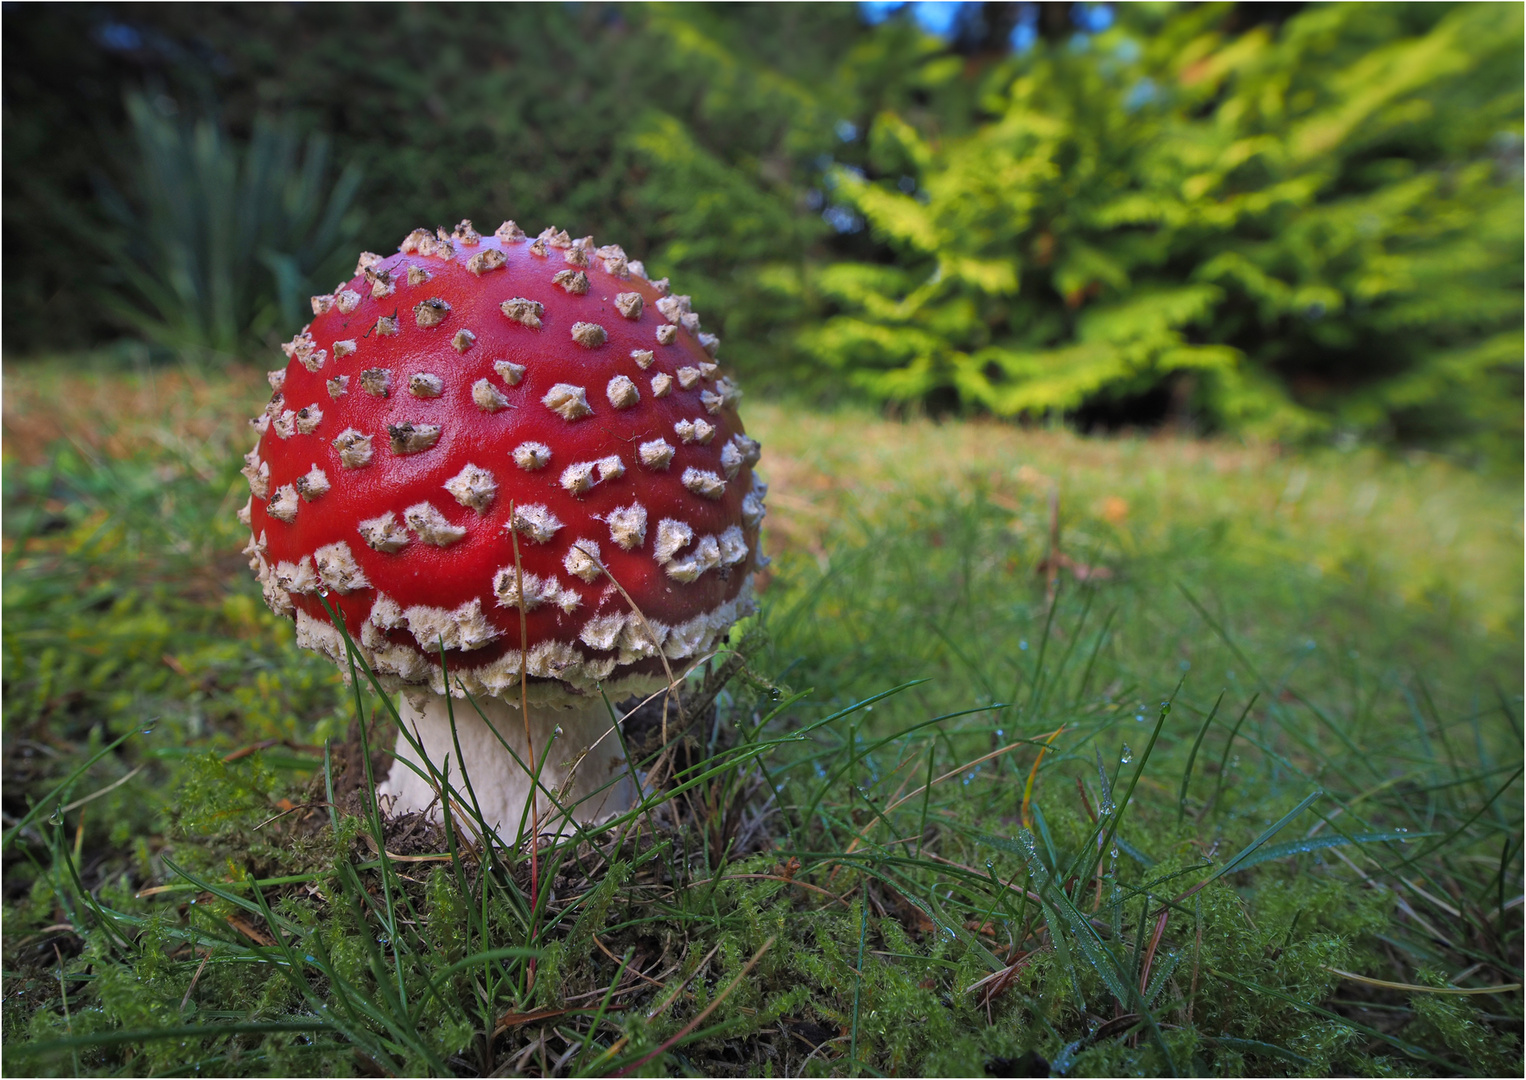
[519, 455]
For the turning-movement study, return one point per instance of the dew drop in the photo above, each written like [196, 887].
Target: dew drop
[557, 732]
[1128, 754]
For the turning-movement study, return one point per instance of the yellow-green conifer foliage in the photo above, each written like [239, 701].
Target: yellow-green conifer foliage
[1311, 226]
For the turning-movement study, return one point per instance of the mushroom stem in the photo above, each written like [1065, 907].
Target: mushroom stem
[578, 754]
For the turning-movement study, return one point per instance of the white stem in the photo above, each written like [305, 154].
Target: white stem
[577, 753]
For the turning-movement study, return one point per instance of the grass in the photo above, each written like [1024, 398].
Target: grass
[1226, 780]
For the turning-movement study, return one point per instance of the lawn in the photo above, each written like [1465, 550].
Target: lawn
[1137, 755]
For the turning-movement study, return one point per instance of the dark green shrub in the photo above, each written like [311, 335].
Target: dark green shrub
[217, 245]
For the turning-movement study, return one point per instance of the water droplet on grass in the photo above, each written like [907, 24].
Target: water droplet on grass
[1128, 754]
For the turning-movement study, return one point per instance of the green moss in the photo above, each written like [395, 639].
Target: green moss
[1457, 1022]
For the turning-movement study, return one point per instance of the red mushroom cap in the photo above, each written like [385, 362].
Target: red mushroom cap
[471, 390]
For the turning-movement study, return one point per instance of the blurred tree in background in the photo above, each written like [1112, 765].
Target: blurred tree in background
[1297, 219]
[533, 111]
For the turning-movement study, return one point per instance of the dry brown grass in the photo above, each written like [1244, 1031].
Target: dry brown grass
[1418, 527]
[118, 414]
[1422, 529]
